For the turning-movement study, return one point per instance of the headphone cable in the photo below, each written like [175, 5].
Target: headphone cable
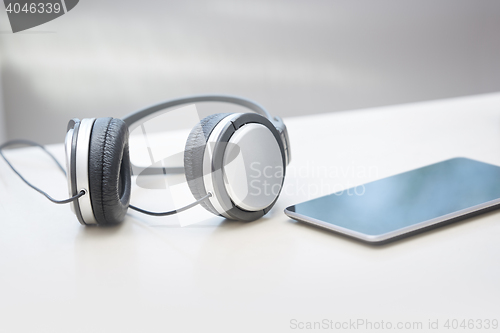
[172, 212]
[34, 144]
[82, 192]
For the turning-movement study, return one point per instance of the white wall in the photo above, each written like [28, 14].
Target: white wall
[4, 28]
[2, 124]
[108, 58]
[3, 135]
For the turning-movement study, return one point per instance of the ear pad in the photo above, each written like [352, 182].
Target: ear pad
[109, 170]
[193, 157]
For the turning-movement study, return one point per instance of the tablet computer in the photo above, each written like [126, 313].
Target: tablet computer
[410, 202]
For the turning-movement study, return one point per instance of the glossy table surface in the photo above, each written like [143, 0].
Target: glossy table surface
[272, 275]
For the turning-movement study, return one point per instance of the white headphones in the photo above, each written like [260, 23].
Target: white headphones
[234, 164]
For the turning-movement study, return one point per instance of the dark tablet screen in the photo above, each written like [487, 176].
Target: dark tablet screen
[408, 198]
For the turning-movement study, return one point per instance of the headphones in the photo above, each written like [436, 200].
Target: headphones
[234, 163]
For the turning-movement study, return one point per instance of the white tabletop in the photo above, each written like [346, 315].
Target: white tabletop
[152, 275]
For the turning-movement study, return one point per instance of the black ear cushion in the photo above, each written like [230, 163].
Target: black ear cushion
[109, 170]
[193, 157]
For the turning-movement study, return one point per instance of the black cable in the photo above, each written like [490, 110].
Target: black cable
[82, 192]
[172, 212]
[34, 144]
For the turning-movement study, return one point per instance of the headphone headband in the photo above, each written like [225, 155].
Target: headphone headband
[254, 106]
[134, 117]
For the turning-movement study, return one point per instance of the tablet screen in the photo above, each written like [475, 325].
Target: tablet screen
[407, 199]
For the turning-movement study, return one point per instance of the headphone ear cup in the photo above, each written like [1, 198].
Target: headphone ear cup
[109, 170]
[193, 157]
